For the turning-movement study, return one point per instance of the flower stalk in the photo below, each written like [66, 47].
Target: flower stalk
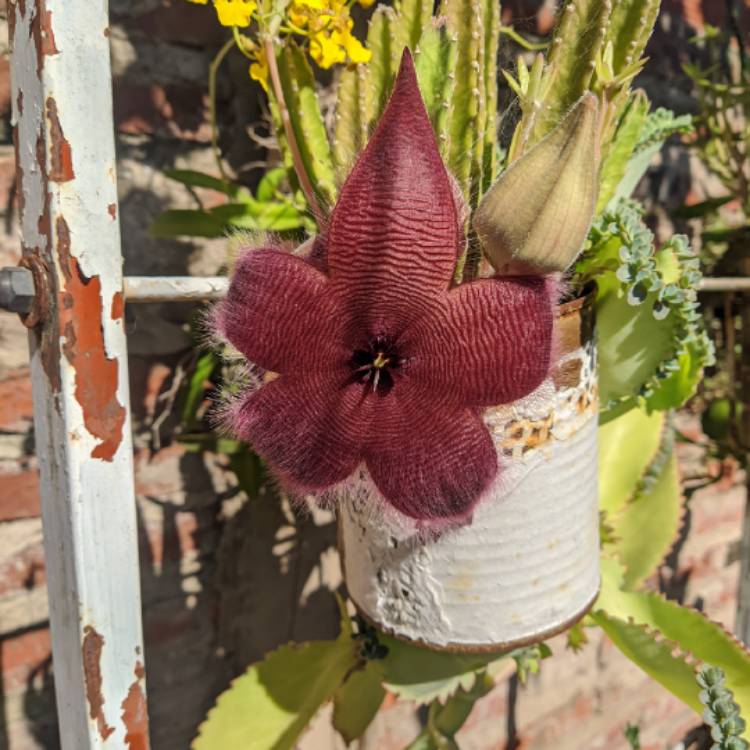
[299, 166]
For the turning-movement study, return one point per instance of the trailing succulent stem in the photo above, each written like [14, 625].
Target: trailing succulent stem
[722, 714]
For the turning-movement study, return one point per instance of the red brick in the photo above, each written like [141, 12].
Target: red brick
[21, 655]
[16, 406]
[4, 86]
[19, 495]
[24, 570]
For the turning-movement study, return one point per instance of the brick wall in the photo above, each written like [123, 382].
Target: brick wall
[225, 580]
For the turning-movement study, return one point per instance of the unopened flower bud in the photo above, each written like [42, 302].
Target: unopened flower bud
[540, 210]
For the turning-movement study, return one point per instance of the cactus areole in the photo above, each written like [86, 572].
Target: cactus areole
[384, 364]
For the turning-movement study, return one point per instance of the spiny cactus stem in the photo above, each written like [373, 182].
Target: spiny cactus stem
[286, 121]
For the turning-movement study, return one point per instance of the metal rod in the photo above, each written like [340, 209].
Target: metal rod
[724, 284]
[62, 87]
[174, 288]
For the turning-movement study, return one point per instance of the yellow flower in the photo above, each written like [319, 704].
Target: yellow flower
[366, 3]
[326, 50]
[199, 2]
[259, 69]
[356, 52]
[328, 26]
[235, 12]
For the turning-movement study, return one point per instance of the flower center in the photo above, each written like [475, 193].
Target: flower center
[375, 363]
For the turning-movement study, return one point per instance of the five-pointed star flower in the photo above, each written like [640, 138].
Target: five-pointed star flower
[382, 361]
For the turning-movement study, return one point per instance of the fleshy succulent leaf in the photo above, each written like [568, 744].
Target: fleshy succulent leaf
[627, 445]
[284, 692]
[357, 701]
[648, 527]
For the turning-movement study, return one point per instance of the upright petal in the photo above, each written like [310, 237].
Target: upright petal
[281, 315]
[489, 342]
[429, 462]
[308, 428]
[392, 240]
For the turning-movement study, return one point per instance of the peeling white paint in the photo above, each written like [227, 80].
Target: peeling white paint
[88, 508]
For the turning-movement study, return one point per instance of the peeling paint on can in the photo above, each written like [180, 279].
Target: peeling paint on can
[93, 644]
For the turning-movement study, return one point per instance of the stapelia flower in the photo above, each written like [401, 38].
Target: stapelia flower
[381, 362]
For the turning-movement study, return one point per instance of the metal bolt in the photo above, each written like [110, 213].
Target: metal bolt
[16, 290]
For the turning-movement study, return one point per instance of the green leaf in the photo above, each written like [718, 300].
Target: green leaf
[636, 168]
[247, 466]
[647, 528]
[357, 701]
[268, 216]
[624, 142]
[196, 387]
[199, 179]
[654, 655]
[695, 635]
[699, 210]
[420, 675]
[186, 222]
[627, 445]
[632, 342]
[270, 184]
[298, 84]
[674, 390]
[269, 706]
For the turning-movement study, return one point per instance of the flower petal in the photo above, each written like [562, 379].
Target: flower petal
[489, 343]
[307, 427]
[280, 314]
[429, 462]
[392, 240]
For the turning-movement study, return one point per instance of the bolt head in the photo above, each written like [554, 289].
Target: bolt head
[16, 290]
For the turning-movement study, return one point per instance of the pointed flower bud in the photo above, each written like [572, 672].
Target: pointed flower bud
[541, 208]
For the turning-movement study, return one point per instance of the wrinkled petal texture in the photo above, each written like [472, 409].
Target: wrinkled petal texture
[280, 315]
[308, 428]
[489, 343]
[430, 462]
[392, 240]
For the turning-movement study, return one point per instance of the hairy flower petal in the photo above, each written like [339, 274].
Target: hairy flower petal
[279, 314]
[430, 462]
[489, 342]
[393, 237]
[307, 427]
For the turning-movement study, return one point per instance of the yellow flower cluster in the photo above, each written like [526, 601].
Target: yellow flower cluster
[232, 12]
[328, 25]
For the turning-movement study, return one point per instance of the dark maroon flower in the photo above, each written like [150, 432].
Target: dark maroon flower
[381, 362]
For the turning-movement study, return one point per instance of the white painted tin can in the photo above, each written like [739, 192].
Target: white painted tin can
[527, 566]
